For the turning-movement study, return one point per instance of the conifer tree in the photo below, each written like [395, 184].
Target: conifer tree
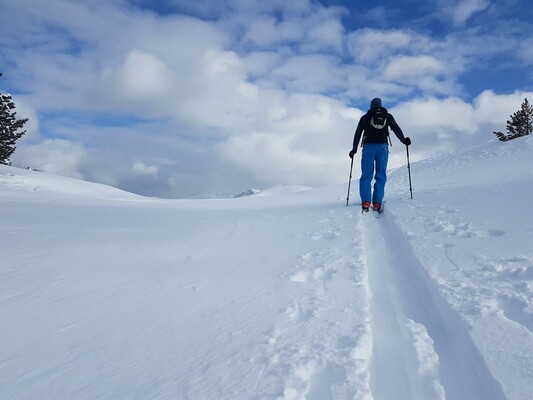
[501, 136]
[520, 124]
[10, 127]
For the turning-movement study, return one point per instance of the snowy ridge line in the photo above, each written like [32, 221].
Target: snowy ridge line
[421, 347]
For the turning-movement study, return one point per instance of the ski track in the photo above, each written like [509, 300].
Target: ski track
[488, 284]
[366, 321]
[421, 347]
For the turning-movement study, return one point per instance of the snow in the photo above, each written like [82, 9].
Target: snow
[283, 189]
[291, 295]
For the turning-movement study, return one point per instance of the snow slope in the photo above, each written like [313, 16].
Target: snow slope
[109, 295]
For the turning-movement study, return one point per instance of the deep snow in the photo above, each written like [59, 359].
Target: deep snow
[109, 295]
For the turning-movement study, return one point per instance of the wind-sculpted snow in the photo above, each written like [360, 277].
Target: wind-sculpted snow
[108, 295]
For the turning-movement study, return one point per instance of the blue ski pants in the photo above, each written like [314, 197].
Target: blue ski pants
[375, 157]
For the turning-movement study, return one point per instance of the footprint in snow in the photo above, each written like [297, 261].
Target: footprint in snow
[517, 310]
[495, 232]
[300, 276]
[319, 274]
[326, 235]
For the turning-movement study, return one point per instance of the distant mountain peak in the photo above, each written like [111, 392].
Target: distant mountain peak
[249, 192]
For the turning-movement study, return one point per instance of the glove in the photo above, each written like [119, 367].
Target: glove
[407, 141]
[352, 153]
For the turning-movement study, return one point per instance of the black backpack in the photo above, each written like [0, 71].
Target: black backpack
[378, 118]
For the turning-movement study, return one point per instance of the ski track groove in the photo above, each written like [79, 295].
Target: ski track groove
[421, 347]
[397, 337]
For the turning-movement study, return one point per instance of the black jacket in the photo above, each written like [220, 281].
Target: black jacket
[373, 135]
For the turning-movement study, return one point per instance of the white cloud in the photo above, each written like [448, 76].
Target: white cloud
[286, 8]
[217, 95]
[310, 73]
[413, 67]
[300, 145]
[260, 63]
[24, 110]
[424, 117]
[395, 63]
[307, 28]
[438, 125]
[526, 53]
[218, 63]
[143, 76]
[372, 46]
[266, 32]
[493, 109]
[56, 156]
[378, 15]
[143, 169]
[326, 35]
[466, 8]
[260, 92]
[424, 73]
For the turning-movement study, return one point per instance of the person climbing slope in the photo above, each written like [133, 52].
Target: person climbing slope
[374, 128]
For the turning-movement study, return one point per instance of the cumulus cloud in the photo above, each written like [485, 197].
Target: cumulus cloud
[310, 28]
[413, 67]
[310, 73]
[327, 34]
[425, 117]
[143, 169]
[439, 125]
[260, 93]
[396, 63]
[494, 109]
[57, 156]
[142, 76]
[300, 142]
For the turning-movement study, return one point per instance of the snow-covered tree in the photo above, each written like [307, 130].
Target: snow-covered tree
[520, 124]
[10, 127]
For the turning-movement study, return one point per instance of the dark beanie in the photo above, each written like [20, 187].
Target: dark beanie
[375, 103]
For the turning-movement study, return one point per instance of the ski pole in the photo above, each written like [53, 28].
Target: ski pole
[409, 169]
[349, 183]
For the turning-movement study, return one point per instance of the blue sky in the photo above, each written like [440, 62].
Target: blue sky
[168, 98]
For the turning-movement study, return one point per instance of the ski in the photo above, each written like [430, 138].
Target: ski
[377, 213]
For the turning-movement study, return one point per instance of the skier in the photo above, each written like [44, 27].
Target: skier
[375, 125]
